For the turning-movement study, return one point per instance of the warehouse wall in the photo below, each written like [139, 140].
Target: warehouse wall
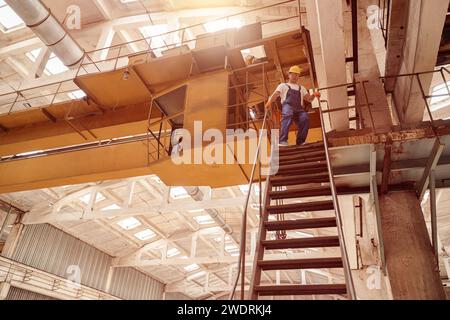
[20, 294]
[130, 284]
[49, 249]
[176, 296]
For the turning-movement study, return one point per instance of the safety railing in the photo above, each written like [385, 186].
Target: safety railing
[339, 221]
[43, 95]
[358, 116]
[118, 56]
[269, 122]
[384, 17]
[363, 110]
[194, 36]
[22, 276]
[412, 79]
[442, 96]
[244, 111]
[409, 81]
[373, 180]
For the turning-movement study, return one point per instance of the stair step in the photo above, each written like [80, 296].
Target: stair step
[315, 242]
[303, 147]
[298, 290]
[304, 165]
[297, 172]
[284, 152]
[301, 161]
[303, 155]
[300, 224]
[300, 193]
[294, 264]
[292, 180]
[301, 207]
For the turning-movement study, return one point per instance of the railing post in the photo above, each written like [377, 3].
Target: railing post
[342, 245]
[424, 97]
[445, 80]
[118, 57]
[241, 261]
[366, 97]
[14, 102]
[300, 15]
[434, 235]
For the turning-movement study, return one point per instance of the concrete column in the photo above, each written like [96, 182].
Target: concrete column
[325, 22]
[4, 289]
[411, 266]
[396, 40]
[379, 116]
[369, 280]
[423, 36]
[12, 241]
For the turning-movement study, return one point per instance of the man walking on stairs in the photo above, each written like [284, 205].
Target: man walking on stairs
[293, 96]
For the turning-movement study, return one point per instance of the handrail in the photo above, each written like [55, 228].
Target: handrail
[342, 246]
[20, 97]
[89, 61]
[385, 18]
[256, 163]
[247, 201]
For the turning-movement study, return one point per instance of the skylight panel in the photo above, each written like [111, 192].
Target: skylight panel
[192, 267]
[178, 193]
[55, 66]
[87, 197]
[172, 252]
[129, 224]
[145, 234]
[152, 34]
[77, 94]
[205, 219]
[219, 25]
[8, 18]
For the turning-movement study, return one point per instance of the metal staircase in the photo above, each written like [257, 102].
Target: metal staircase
[304, 172]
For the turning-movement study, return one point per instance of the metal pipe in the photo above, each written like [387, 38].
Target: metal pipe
[338, 86]
[299, 15]
[246, 206]
[342, 246]
[198, 195]
[241, 261]
[374, 186]
[39, 19]
[445, 80]
[422, 90]
[434, 235]
[344, 108]
[368, 104]
[388, 19]
[355, 36]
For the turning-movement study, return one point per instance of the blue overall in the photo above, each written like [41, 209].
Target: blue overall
[292, 111]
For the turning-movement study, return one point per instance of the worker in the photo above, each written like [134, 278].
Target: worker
[293, 96]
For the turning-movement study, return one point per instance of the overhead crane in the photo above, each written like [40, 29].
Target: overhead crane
[122, 127]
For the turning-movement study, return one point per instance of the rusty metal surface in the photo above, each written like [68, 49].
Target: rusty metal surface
[409, 159]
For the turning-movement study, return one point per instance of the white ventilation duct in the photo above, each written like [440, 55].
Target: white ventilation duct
[37, 17]
[198, 195]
